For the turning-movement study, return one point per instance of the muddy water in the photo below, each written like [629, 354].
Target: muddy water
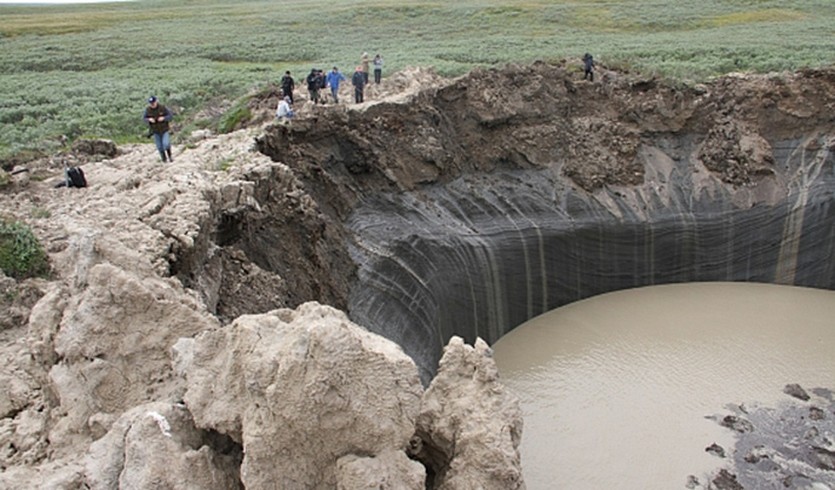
[615, 389]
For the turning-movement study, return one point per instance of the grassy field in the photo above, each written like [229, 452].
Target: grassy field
[86, 70]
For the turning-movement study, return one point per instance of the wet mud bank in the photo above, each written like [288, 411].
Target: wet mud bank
[478, 203]
[787, 446]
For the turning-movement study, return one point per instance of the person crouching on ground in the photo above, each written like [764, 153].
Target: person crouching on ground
[284, 113]
[157, 116]
[358, 80]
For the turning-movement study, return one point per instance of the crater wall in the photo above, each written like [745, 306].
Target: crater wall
[483, 254]
[480, 203]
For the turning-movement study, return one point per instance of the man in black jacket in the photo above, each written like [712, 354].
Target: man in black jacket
[287, 85]
[358, 80]
[314, 84]
[588, 61]
[157, 116]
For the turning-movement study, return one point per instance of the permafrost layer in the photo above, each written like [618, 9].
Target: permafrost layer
[483, 254]
[505, 194]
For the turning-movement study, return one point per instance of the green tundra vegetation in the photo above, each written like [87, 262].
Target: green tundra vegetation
[21, 254]
[86, 70]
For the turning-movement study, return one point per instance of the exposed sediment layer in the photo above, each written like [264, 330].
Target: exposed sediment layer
[507, 193]
[480, 256]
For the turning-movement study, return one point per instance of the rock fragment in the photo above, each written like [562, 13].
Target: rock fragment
[796, 391]
[470, 427]
[301, 390]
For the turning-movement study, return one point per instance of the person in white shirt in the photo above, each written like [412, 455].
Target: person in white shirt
[284, 112]
[378, 68]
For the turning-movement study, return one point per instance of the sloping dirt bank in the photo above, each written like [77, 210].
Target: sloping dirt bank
[542, 116]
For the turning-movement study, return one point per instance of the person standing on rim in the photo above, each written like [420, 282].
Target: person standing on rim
[358, 80]
[157, 116]
[364, 64]
[333, 78]
[378, 68]
[287, 85]
[588, 61]
[314, 83]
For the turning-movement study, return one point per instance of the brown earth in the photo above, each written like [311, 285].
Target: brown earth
[252, 221]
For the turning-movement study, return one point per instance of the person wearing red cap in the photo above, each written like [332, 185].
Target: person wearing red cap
[358, 80]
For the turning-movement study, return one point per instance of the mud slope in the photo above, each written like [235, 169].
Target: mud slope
[482, 202]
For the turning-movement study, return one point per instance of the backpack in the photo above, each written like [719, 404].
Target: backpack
[75, 177]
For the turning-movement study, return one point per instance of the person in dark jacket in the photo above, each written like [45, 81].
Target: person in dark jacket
[287, 85]
[314, 84]
[158, 116]
[588, 61]
[358, 80]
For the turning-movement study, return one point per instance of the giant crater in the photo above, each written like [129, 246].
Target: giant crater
[479, 203]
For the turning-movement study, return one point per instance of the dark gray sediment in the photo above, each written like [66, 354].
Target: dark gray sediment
[482, 254]
[788, 446]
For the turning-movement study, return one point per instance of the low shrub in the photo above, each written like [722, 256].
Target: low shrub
[21, 254]
[234, 118]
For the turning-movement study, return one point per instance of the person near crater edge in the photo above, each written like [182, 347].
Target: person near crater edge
[287, 85]
[359, 81]
[364, 65]
[333, 78]
[314, 84]
[158, 116]
[378, 68]
[588, 62]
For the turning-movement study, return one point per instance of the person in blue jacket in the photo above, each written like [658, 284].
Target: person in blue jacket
[333, 78]
[158, 116]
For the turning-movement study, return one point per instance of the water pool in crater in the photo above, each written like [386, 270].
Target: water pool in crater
[615, 388]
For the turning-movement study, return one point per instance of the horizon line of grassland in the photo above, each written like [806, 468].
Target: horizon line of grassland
[86, 70]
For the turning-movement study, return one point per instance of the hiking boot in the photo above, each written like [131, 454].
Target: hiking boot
[170, 158]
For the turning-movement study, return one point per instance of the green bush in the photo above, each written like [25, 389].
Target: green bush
[21, 255]
[234, 118]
